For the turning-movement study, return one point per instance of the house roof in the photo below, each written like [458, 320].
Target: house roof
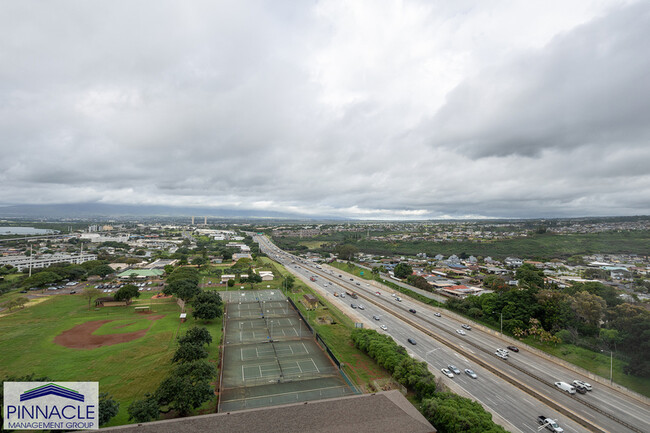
[383, 412]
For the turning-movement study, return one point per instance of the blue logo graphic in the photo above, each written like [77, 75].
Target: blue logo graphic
[51, 389]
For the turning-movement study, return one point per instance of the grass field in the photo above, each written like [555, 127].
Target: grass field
[536, 246]
[125, 370]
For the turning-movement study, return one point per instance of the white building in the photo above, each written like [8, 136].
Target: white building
[24, 262]
[97, 238]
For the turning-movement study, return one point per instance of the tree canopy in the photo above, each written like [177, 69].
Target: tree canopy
[126, 293]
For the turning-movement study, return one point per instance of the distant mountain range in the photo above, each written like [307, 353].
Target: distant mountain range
[90, 210]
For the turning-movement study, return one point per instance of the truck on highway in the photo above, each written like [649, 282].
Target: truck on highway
[351, 294]
[549, 424]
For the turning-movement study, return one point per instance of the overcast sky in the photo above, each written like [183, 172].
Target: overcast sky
[363, 109]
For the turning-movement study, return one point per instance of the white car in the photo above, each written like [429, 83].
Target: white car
[470, 373]
[501, 355]
[585, 385]
[361, 307]
[447, 373]
[469, 328]
[461, 332]
[436, 314]
[504, 351]
[384, 327]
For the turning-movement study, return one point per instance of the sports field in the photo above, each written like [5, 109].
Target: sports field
[128, 353]
[270, 357]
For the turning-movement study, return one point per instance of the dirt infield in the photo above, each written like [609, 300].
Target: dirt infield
[81, 336]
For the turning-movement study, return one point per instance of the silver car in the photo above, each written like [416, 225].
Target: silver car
[471, 373]
[447, 373]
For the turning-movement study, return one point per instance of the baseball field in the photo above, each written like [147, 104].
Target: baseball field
[129, 353]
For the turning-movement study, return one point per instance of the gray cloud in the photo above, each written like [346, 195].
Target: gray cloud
[409, 110]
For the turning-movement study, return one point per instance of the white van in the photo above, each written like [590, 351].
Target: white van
[566, 387]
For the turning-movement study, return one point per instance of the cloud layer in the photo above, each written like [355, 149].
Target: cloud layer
[391, 109]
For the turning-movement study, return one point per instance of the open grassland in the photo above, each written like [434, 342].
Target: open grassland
[545, 246]
[312, 245]
[125, 370]
[535, 246]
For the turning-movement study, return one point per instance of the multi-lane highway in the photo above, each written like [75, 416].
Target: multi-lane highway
[516, 390]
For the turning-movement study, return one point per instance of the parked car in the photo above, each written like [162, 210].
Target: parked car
[454, 369]
[513, 348]
[585, 385]
[471, 373]
[460, 331]
[412, 341]
[447, 373]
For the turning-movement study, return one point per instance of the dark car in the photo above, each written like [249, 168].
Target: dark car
[513, 348]
[581, 389]
[411, 310]
[412, 341]
[23, 291]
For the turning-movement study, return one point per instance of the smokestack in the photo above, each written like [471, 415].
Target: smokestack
[192, 220]
[205, 221]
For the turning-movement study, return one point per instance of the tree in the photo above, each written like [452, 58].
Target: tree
[206, 311]
[588, 307]
[188, 352]
[196, 335]
[289, 281]
[184, 289]
[187, 387]
[207, 306]
[402, 270]
[41, 279]
[15, 303]
[126, 293]
[144, 410]
[108, 408]
[528, 274]
[90, 293]
[346, 251]
[231, 283]
[101, 270]
[169, 269]
[199, 261]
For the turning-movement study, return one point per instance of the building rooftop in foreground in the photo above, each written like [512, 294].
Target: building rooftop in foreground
[383, 412]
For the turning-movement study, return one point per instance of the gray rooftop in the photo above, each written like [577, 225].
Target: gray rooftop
[383, 412]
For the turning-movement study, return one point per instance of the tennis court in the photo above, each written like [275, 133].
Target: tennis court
[270, 357]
